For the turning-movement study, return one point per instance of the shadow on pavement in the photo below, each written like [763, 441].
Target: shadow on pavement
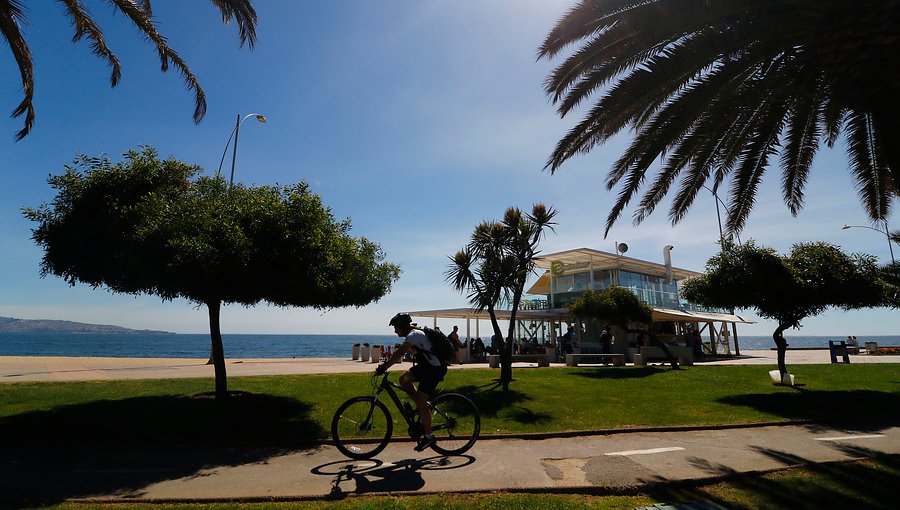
[862, 484]
[118, 447]
[374, 476]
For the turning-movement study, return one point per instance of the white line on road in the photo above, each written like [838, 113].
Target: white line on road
[847, 438]
[645, 452]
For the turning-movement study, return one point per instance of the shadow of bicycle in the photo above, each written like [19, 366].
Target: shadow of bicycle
[375, 476]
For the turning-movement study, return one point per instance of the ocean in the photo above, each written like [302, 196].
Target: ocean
[150, 345]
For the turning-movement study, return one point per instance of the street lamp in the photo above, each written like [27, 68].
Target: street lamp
[234, 134]
[886, 232]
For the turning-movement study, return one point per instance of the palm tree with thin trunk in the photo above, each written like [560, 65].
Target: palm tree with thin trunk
[716, 90]
[13, 15]
[496, 264]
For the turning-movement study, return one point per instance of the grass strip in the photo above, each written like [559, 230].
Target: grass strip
[297, 410]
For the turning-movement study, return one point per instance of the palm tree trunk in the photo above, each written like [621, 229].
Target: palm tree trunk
[505, 352]
[782, 345]
[506, 378]
[217, 351]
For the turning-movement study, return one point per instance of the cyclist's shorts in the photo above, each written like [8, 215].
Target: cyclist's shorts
[428, 376]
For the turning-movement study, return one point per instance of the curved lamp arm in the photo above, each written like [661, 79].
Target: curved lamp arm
[237, 127]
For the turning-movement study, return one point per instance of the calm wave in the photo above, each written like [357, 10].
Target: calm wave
[147, 345]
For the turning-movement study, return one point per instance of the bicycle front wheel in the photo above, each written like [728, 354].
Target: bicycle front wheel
[455, 422]
[361, 427]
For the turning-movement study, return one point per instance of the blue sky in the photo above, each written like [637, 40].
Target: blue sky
[416, 119]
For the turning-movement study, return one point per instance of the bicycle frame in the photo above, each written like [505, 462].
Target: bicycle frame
[389, 386]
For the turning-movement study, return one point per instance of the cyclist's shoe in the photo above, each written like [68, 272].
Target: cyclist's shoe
[425, 443]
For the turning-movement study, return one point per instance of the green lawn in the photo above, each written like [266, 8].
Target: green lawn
[296, 410]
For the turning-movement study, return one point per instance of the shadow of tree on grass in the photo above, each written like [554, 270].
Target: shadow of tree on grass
[117, 447]
[829, 406]
[619, 372]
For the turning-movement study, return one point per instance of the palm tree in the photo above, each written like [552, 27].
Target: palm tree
[716, 88]
[496, 264]
[13, 15]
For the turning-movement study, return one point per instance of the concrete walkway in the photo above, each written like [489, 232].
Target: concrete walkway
[33, 368]
[598, 464]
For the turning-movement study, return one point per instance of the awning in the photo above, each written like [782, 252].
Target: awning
[667, 314]
[559, 314]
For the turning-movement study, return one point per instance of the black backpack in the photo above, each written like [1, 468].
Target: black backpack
[441, 346]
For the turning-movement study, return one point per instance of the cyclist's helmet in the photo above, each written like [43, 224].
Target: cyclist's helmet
[401, 319]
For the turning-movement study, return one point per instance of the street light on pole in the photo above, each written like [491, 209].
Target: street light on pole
[719, 215]
[234, 134]
[886, 232]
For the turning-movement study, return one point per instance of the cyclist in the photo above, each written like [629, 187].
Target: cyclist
[427, 370]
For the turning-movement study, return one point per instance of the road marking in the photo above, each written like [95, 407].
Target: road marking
[846, 438]
[646, 452]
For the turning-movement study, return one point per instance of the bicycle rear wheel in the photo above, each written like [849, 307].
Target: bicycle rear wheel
[455, 422]
[361, 427]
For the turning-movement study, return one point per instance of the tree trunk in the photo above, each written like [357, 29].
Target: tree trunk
[506, 378]
[782, 345]
[505, 352]
[217, 352]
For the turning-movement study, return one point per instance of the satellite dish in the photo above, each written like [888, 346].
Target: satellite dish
[622, 247]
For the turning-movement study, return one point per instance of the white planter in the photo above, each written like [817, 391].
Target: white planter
[787, 380]
[376, 353]
[355, 352]
[364, 353]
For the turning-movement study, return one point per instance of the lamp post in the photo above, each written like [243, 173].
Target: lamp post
[719, 216]
[234, 134]
[886, 232]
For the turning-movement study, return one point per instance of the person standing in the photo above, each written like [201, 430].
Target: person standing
[569, 340]
[457, 344]
[606, 340]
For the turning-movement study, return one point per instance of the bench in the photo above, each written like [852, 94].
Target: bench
[618, 360]
[540, 359]
[682, 354]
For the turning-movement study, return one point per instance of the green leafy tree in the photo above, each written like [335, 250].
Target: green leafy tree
[496, 264]
[144, 226]
[716, 89]
[612, 305]
[13, 15]
[615, 305]
[787, 288]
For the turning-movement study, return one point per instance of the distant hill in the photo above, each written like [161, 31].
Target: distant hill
[11, 325]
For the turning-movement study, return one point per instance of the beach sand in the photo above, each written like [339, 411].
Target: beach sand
[39, 368]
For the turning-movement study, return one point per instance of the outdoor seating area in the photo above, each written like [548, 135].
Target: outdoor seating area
[572, 360]
[683, 354]
[540, 359]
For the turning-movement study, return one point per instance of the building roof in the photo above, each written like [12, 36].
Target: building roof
[583, 258]
[559, 314]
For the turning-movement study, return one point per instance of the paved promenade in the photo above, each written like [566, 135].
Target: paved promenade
[34, 368]
[602, 462]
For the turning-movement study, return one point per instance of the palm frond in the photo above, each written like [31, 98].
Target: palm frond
[86, 26]
[11, 16]
[244, 15]
[801, 142]
[873, 180]
[145, 24]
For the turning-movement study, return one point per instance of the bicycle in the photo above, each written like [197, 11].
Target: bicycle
[362, 426]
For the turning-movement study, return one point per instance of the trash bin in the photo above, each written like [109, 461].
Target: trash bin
[871, 347]
[838, 350]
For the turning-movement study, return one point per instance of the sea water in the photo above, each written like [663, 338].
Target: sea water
[156, 345]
